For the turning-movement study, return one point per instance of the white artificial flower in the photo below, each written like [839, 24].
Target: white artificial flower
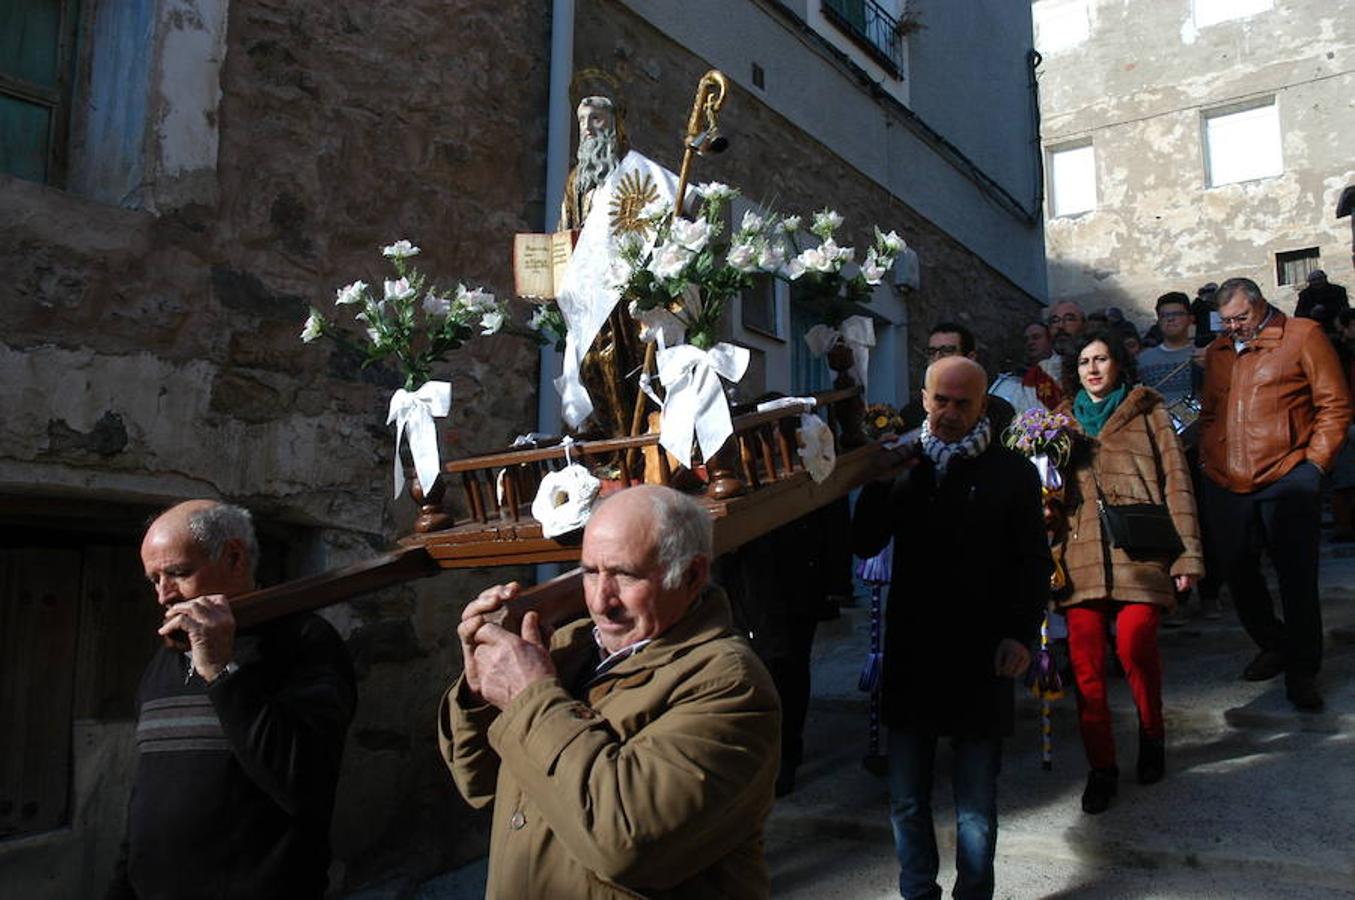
[790, 224]
[373, 335]
[669, 260]
[871, 270]
[399, 290]
[771, 257]
[752, 222]
[350, 294]
[538, 319]
[891, 242]
[618, 273]
[826, 221]
[400, 250]
[692, 235]
[437, 306]
[655, 210]
[314, 327]
[793, 269]
[716, 190]
[839, 255]
[743, 257]
[479, 300]
[491, 322]
[816, 260]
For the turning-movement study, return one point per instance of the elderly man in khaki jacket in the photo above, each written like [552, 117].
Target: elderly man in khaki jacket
[635, 754]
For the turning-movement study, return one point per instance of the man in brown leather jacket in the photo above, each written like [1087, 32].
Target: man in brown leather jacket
[1274, 414]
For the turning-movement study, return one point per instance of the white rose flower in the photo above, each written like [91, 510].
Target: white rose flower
[669, 261]
[826, 222]
[655, 210]
[871, 270]
[816, 260]
[400, 250]
[399, 290]
[752, 222]
[716, 190]
[790, 224]
[839, 255]
[772, 257]
[692, 235]
[743, 257]
[314, 327]
[793, 269]
[891, 242]
[437, 306]
[350, 294]
[480, 300]
[491, 322]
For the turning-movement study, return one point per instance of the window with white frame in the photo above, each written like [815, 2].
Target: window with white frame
[1060, 24]
[1072, 180]
[1242, 144]
[1210, 12]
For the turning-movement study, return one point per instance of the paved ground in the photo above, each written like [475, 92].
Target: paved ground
[1259, 800]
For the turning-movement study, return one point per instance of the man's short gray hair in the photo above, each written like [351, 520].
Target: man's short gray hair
[682, 532]
[1244, 286]
[213, 526]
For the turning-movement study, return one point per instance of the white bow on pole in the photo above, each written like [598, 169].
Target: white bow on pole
[695, 403]
[414, 412]
[857, 332]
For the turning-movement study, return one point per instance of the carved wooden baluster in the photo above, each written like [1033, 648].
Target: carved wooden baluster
[473, 499]
[665, 470]
[624, 460]
[764, 442]
[492, 492]
[510, 492]
[783, 444]
[749, 461]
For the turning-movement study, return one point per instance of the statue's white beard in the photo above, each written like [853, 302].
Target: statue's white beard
[596, 160]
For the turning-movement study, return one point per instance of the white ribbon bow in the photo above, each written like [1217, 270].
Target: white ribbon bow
[415, 411]
[695, 404]
[857, 332]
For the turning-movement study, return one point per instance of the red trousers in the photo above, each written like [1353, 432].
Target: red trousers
[1136, 643]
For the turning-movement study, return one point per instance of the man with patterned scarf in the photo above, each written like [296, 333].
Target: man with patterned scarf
[970, 582]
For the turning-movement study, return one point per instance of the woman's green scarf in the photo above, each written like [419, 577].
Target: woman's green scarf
[1092, 415]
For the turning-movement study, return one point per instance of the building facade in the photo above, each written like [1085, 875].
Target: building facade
[181, 179]
[1188, 141]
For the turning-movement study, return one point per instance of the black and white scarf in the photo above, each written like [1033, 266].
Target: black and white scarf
[971, 445]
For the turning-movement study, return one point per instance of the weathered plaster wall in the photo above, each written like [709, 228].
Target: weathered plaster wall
[149, 357]
[776, 163]
[1138, 88]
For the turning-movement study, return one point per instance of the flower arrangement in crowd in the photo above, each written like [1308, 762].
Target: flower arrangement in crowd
[676, 273]
[819, 270]
[882, 419]
[410, 320]
[1039, 432]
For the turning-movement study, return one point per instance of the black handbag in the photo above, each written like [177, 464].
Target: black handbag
[1139, 529]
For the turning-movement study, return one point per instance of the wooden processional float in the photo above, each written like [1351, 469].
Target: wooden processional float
[758, 484]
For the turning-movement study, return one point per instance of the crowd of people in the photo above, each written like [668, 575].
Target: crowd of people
[638, 751]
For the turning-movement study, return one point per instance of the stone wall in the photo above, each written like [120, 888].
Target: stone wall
[777, 165]
[148, 357]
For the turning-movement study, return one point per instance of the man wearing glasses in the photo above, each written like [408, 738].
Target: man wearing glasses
[1066, 322]
[953, 339]
[1274, 415]
[1167, 367]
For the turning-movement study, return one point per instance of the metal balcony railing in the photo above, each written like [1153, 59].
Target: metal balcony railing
[870, 26]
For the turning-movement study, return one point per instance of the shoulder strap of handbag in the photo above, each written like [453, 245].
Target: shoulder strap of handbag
[1157, 465]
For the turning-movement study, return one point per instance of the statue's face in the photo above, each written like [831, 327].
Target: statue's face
[594, 120]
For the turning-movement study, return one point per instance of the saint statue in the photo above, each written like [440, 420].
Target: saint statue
[602, 144]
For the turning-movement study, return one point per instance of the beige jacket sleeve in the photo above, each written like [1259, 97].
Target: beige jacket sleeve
[463, 740]
[670, 800]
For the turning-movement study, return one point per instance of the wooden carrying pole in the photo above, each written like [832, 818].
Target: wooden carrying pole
[560, 599]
